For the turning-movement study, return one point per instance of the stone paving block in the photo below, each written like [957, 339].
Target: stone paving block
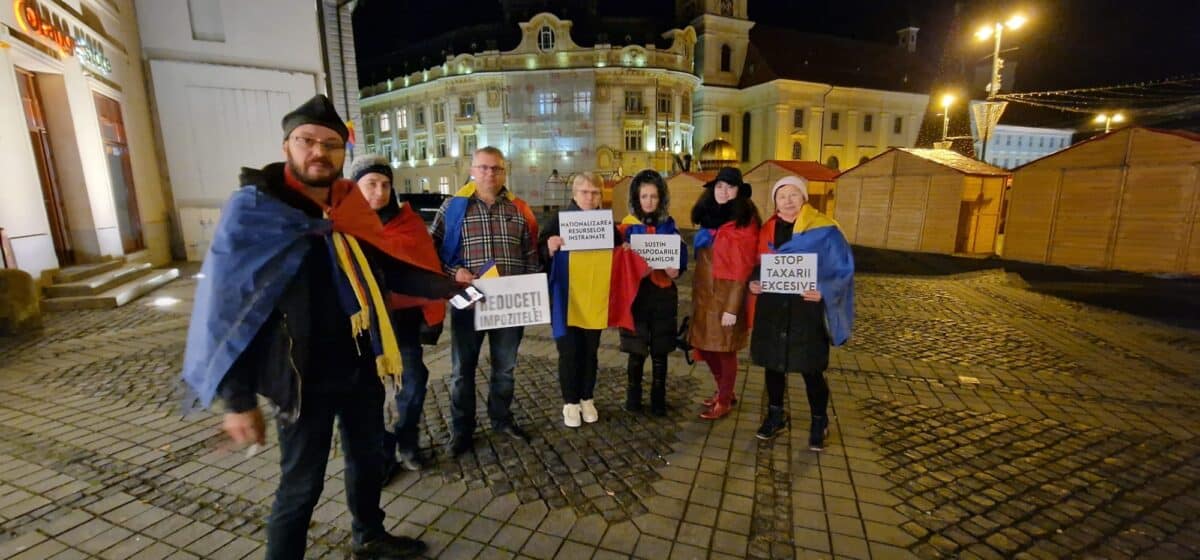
[558, 522]
[20, 544]
[453, 521]
[240, 547]
[41, 551]
[542, 546]
[463, 548]
[105, 540]
[652, 548]
[511, 537]
[85, 531]
[657, 525]
[530, 515]
[734, 522]
[425, 514]
[502, 507]
[73, 554]
[621, 537]
[696, 535]
[128, 547]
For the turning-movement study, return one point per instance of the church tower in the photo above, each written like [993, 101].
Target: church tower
[723, 36]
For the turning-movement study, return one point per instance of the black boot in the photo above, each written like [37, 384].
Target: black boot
[658, 387]
[775, 423]
[633, 390]
[818, 432]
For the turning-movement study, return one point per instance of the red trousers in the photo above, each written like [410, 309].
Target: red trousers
[724, 371]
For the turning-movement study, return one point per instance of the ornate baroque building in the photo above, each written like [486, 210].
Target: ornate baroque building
[549, 103]
[720, 87]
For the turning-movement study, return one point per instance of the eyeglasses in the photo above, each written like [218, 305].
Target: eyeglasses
[311, 143]
[495, 169]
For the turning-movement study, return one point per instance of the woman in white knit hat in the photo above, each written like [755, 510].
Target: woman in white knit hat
[793, 331]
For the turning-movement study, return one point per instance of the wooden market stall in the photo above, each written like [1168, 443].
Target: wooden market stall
[820, 183]
[912, 199]
[1127, 200]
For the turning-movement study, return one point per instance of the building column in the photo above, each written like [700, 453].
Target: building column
[815, 128]
[850, 150]
[886, 121]
[783, 133]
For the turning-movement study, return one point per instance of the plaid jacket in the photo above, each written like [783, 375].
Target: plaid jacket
[499, 232]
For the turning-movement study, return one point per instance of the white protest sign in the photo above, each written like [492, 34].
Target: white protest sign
[586, 229]
[659, 250]
[789, 273]
[512, 301]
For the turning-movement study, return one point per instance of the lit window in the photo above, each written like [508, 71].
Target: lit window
[466, 107]
[664, 103]
[633, 102]
[402, 119]
[470, 143]
[583, 102]
[664, 139]
[441, 146]
[444, 185]
[633, 140]
[547, 103]
[385, 122]
[546, 38]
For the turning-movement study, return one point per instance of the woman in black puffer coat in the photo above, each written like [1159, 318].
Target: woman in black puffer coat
[656, 307]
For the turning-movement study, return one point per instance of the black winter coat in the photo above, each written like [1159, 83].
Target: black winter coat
[789, 333]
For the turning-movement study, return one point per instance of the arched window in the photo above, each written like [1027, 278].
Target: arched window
[832, 162]
[546, 38]
[726, 58]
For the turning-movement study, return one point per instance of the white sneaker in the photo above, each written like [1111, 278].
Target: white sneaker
[589, 411]
[571, 415]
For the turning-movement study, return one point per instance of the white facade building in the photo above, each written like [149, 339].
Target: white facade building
[549, 104]
[82, 182]
[1011, 146]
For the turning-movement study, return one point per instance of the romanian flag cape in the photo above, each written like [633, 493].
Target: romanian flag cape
[594, 289]
[733, 250]
[258, 246]
[410, 230]
[815, 232]
[451, 249]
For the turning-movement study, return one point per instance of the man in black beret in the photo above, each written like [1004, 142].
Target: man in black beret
[277, 315]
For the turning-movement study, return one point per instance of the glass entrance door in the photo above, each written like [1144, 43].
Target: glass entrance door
[116, 152]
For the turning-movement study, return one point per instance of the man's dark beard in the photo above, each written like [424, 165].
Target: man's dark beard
[298, 173]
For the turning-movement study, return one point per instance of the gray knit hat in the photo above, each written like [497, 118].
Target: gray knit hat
[369, 163]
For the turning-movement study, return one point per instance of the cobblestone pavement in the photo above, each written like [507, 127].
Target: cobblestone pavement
[971, 419]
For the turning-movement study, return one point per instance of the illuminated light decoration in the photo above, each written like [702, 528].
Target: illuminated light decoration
[412, 162]
[29, 17]
[164, 301]
[92, 56]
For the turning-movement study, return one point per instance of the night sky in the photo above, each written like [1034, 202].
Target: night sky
[1066, 44]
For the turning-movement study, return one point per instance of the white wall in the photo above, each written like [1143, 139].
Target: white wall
[276, 34]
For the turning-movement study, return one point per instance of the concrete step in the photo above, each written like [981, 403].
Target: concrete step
[81, 271]
[116, 296]
[93, 285]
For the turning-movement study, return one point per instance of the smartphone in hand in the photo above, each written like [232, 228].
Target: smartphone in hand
[466, 298]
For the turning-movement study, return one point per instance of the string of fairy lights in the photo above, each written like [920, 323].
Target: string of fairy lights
[1160, 98]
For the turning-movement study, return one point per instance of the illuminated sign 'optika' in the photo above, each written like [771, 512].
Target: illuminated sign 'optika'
[36, 21]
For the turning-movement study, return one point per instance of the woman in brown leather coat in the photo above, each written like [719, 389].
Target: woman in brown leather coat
[725, 257]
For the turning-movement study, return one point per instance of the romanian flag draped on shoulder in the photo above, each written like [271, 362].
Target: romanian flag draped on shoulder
[408, 227]
[815, 232]
[451, 249]
[593, 289]
[733, 250]
[256, 251]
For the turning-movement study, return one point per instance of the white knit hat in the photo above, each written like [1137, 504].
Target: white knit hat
[798, 182]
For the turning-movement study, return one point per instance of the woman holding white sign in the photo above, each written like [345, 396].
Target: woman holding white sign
[656, 305]
[725, 257]
[797, 316]
[579, 296]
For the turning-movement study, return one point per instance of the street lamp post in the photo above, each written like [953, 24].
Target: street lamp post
[992, 109]
[947, 101]
[1108, 119]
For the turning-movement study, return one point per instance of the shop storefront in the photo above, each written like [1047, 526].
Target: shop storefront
[81, 180]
